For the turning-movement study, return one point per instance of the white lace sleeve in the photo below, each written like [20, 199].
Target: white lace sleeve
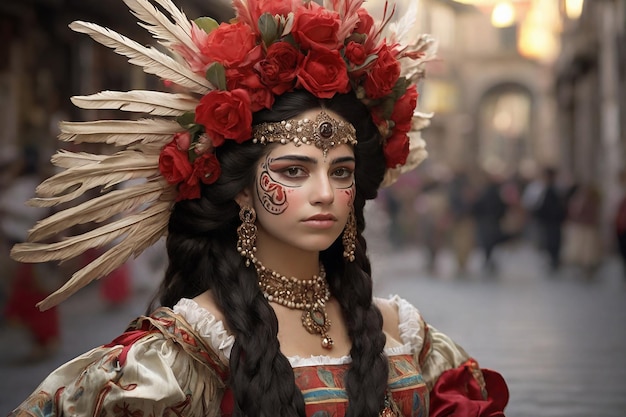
[207, 326]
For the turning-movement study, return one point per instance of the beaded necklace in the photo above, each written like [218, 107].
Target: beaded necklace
[310, 296]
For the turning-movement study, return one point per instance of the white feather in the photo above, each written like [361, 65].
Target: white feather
[120, 132]
[110, 171]
[151, 60]
[99, 209]
[162, 28]
[141, 101]
[67, 159]
[141, 231]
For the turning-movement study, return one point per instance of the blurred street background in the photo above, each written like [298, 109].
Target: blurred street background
[510, 237]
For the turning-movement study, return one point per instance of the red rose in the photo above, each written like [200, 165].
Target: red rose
[232, 45]
[403, 110]
[174, 163]
[207, 168]
[396, 150]
[225, 115]
[383, 76]
[324, 73]
[183, 140]
[366, 22]
[274, 7]
[248, 80]
[355, 52]
[189, 190]
[316, 28]
[279, 68]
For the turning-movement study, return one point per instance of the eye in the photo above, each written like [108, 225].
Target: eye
[294, 172]
[342, 173]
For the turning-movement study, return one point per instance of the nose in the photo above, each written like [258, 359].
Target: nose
[323, 191]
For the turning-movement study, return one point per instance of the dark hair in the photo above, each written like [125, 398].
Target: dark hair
[202, 253]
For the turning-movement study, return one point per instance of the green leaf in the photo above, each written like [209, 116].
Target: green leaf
[216, 74]
[206, 23]
[367, 61]
[187, 119]
[387, 106]
[268, 28]
[400, 88]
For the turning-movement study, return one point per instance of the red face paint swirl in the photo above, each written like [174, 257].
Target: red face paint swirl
[271, 194]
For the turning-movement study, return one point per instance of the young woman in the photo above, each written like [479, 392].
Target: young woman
[267, 307]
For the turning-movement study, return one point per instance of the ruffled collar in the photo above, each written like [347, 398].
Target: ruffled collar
[214, 332]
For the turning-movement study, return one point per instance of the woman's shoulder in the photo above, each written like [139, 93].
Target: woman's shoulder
[402, 321]
[207, 320]
[161, 350]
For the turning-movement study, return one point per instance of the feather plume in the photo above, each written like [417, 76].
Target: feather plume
[142, 230]
[66, 159]
[243, 13]
[141, 101]
[98, 209]
[169, 34]
[401, 29]
[111, 170]
[176, 14]
[120, 132]
[152, 60]
[347, 10]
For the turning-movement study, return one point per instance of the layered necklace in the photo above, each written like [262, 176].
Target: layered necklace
[310, 296]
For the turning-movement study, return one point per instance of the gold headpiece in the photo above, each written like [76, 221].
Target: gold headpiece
[324, 132]
[169, 152]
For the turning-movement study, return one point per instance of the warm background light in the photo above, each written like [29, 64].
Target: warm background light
[503, 15]
[574, 8]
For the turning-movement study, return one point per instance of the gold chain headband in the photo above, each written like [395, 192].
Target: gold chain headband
[324, 132]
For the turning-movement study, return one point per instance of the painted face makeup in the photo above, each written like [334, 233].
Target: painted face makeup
[302, 197]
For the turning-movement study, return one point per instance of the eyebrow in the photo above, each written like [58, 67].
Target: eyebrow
[308, 159]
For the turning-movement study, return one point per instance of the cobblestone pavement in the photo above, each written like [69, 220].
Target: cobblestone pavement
[558, 340]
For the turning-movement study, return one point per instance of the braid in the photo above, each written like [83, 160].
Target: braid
[261, 376]
[366, 380]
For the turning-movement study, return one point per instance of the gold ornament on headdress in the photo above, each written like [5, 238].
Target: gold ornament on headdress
[324, 132]
[134, 216]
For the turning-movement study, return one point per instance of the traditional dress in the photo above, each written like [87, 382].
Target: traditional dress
[175, 363]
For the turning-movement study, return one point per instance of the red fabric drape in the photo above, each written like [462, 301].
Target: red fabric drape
[457, 393]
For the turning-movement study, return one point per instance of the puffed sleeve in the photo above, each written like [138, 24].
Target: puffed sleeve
[156, 368]
[457, 385]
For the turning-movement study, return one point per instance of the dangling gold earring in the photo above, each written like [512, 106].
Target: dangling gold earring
[349, 237]
[246, 233]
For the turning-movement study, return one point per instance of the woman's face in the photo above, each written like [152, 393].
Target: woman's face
[301, 196]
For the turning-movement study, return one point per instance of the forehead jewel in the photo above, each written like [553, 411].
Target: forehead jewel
[324, 131]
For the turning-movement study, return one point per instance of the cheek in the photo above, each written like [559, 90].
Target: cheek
[295, 197]
[346, 197]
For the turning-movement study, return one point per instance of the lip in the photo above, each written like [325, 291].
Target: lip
[321, 221]
[322, 217]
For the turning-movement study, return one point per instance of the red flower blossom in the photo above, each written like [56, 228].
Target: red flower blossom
[381, 79]
[232, 45]
[174, 163]
[324, 73]
[207, 168]
[366, 22]
[316, 28]
[279, 68]
[355, 52]
[396, 150]
[403, 110]
[225, 115]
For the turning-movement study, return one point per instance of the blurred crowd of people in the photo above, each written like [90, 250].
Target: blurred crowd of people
[468, 211]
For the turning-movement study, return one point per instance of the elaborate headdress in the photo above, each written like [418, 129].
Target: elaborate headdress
[227, 71]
